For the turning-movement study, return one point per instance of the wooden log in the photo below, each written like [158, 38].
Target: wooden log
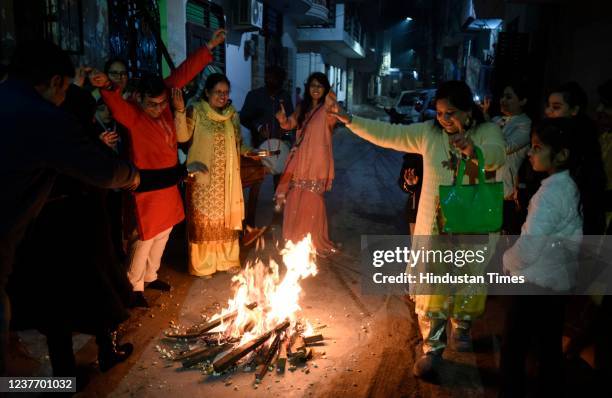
[297, 348]
[198, 330]
[228, 360]
[269, 357]
[203, 355]
[281, 361]
[317, 338]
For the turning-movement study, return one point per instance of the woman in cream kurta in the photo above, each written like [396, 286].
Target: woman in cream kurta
[215, 205]
[440, 143]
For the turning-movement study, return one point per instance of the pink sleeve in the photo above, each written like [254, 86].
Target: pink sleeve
[190, 68]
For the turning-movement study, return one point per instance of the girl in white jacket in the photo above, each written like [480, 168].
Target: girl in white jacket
[546, 255]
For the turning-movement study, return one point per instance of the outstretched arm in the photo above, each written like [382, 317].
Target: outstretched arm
[286, 123]
[195, 63]
[123, 111]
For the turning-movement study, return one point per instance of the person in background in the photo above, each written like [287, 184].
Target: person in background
[298, 96]
[260, 106]
[215, 204]
[153, 145]
[604, 125]
[411, 182]
[309, 171]
[546, 255]
[41, 142]
[117, 71]
[569, 100]
[516, 127]
[457, 130]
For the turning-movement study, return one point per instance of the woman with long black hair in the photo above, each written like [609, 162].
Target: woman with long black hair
[309, 172]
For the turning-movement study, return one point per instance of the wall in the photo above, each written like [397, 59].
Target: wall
[289, 40]
[307, 63]
[7, 31]
[95, 33]
[238, 71]
[572, 39]
[176, 40]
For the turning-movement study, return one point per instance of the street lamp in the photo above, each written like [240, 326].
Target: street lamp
[408, 19]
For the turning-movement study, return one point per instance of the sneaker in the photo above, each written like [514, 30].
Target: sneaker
[462, 340]
[426, 367]
[138, 300]
[111, 356]
[158, 284]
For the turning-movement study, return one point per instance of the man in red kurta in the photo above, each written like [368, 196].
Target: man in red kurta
[153, 145]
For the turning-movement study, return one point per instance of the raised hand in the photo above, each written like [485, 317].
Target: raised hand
[109, 138]
[410, 177]
[81, 74]
[486, 104]
[178, 103]
[98, 79]
[218, 37]
[331, 102]
[281, 116]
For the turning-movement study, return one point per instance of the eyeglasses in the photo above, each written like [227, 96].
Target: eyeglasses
[115, 73]
[218, 93]
[152, 104]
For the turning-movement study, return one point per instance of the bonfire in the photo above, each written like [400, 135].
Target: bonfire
[262, 323]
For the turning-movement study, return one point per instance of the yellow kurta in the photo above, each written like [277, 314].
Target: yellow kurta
[215, 205]
[432, 143]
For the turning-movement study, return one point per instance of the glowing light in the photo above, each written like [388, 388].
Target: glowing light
[277, 298]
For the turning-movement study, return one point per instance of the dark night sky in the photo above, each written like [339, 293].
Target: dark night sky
[382, 14]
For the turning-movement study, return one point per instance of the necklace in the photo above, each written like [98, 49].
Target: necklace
[168, 132]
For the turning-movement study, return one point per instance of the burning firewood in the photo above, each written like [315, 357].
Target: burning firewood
[297, 347]
[200, 355]
[281, 361]
[225, 362]
[269, 357]
[198, 330]
[309, 340]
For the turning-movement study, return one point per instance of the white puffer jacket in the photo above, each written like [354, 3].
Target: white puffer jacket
[546, 253]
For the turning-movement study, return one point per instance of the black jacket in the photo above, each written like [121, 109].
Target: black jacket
[40, 141]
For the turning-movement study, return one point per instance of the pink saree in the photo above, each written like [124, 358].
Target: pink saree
[309, 173]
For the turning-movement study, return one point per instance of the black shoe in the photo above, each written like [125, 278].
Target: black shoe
[426, 367]
[138, 300]
[159, 285]
[109, 353]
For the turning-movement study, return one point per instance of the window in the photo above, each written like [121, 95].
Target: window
[64, 24]
[203, 18]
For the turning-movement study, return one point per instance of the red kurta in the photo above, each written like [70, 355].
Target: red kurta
[153, 146]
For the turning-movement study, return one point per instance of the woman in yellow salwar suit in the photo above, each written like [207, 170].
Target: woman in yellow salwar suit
[215, 204]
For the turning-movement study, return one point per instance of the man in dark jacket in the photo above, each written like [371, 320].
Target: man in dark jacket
[40, 141]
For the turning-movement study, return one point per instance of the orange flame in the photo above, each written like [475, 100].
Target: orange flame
[276, 299]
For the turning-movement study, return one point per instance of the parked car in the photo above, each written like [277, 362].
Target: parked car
[411, 106]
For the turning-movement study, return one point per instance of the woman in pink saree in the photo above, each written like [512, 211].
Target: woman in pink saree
[309, 171]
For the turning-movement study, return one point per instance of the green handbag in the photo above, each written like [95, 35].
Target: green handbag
[473, 208]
